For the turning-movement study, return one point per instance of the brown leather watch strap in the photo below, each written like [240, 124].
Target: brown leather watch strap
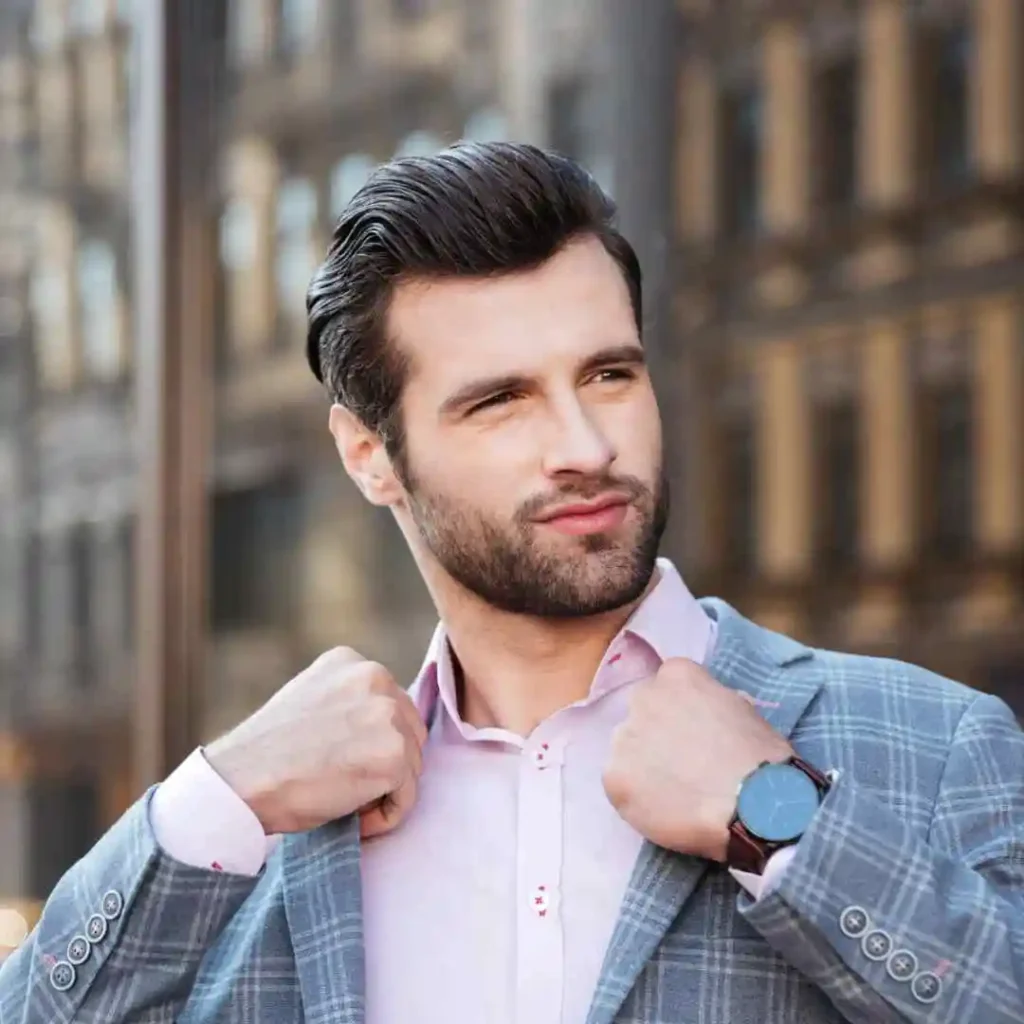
[750, 853]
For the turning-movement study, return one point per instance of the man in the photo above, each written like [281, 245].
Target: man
[601, 800]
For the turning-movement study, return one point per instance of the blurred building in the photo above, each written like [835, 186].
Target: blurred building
[66, 438]
[306, 98]
[850, 290]
[843, 356]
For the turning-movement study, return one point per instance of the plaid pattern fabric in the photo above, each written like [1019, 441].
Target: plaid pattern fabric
[904, 902]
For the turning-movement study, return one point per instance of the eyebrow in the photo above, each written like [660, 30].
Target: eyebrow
[477, 390]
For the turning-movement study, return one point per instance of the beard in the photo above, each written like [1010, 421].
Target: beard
[505, 564]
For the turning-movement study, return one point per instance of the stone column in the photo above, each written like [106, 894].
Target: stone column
[784, 463]
[997, 104]
[887, 447]
[1000, 422]
[786, 164]
[886, 167]
[696, 170]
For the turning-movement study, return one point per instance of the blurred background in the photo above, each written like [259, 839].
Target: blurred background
[826, 196]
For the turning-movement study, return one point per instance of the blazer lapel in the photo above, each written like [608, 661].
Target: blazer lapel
[323, 904]
[746, 658]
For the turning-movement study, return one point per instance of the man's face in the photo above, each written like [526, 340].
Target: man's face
[533, 455]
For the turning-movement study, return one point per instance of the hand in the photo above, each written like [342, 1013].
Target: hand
[340, 737]
[678, 758]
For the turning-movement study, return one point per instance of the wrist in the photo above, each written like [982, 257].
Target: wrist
[242, 773]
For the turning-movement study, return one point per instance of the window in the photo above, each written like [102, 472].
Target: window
[253, 562]
[32, 567]
[89, 17]
[347, 178]
[739, 460]
[98, 302]
[126, 565]
[944, 104]
[740, 161]
[64, 824]
[567, 119]
[947, 488]
[238, 235]
[419, 143]
[487, 125]
[247, 41]
[836, 131]
[837, 444]
[296, 260]
[51, 314]
[49, 26]
[297, 26]
[83, 596]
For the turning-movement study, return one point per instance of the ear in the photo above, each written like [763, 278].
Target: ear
[364, 458]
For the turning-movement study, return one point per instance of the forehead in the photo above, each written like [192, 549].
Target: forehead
[527, 322]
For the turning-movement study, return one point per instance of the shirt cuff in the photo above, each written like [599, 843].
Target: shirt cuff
[199, 820]
[759, 886]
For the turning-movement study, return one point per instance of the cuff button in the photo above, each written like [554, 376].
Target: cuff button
[62, 976]
[112, 905]
[96, 928]
[78, 950]
[902, 965]
[854, 922]
[876, 945]
[926, 987]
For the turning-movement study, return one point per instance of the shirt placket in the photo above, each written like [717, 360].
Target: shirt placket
[540, 962]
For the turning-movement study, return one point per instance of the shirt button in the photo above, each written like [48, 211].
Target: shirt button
[540, 901]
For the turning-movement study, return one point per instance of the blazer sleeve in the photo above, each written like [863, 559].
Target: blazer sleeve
[122, 935]
[895, 925]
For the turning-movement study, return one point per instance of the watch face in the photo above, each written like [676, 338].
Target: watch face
[777, 803]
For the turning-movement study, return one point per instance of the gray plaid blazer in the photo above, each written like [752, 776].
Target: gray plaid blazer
[904, 902]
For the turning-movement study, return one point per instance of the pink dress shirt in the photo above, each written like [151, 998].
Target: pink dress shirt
[496, 898]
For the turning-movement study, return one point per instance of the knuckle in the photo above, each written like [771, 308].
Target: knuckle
[376, 677]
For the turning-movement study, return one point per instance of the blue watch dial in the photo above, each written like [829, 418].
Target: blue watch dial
[777, 803]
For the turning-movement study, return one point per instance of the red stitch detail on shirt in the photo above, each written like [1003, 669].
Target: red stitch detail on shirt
[216, 866]
[541, 888]
[49, 959]
[614, 658]
[541, 913]
[941, 968]
[545, 746]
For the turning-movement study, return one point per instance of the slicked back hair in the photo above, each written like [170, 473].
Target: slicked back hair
[473, 210]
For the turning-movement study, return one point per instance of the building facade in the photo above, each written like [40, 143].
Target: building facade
[849, 285]
[306, 97]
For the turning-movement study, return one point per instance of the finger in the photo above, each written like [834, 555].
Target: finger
[411, 715]
[387, 812]
[413, 748]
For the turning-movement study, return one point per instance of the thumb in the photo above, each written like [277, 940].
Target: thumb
[385, 814]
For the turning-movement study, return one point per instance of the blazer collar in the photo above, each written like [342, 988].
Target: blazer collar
[756, 661]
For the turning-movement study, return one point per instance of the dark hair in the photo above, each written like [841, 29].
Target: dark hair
[472, 210]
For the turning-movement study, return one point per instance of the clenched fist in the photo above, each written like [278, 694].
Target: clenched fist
[678, 758]
[342, 736]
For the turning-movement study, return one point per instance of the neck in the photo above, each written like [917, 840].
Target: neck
[517, 671]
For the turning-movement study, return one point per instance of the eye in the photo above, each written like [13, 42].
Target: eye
[501, 398]
[612, 374]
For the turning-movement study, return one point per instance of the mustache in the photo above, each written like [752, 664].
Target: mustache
[631, 487]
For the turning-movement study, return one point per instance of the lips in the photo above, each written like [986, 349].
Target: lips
[584, 508]
[588, 517]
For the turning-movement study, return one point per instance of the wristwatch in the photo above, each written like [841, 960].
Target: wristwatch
[774, 807]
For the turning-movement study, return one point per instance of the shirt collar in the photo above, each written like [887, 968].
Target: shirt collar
[669, 620]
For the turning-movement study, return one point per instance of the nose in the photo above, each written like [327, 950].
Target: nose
[577, 446]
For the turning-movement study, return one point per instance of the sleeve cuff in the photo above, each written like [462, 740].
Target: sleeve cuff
[199, 820]
[760, 886]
